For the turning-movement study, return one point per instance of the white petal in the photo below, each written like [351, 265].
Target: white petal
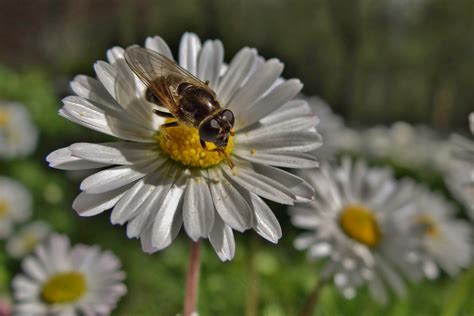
[235, 75]
[266, 224]
[303, 191]
[147, 211]
[222, 239]
[229, 203]
[211, 58]
[189, 48]
[302, 141]
[169, 219]
[259, 184]
[113, 178]
[88, 204]
[275, 99]
[283, 159]
[257, 84]
[92, 89]
[128, 205]
[63, 159]
[120, 153]
[198, 210]
[157, 44]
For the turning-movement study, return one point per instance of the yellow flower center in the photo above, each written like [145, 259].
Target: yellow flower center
[30, 240]
[359, 223]
[3, 209]
[64, 287]
[428, 225]
[182, 144]
[3, 117]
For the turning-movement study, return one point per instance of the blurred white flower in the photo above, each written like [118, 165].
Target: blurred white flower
[26, 239]
[331, 128]
[62, 280]
[445, 241]
[351, 222]
[18, 135]
[460, 171]
[15, 205]
[158, 181]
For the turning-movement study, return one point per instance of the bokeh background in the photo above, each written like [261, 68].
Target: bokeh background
[373, 61]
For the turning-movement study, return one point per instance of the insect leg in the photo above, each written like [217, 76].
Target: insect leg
[163, 114]
[203, 144]
[169, 124]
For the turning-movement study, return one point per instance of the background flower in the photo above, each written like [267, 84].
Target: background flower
[352, 222]
[63, 280]
[26, 239]
[18, 135]
[15, 205]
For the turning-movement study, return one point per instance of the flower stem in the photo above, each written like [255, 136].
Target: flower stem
[251, 306]
[313, 298]
[192, 280]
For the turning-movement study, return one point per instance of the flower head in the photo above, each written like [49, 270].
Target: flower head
[158, 179]
[15, 205]
[444, 241]
[18, 135]
[351, 222]
[460, 171]
[62, 280]
[26, 239]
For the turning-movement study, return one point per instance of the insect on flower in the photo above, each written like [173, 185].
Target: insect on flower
[189, 100]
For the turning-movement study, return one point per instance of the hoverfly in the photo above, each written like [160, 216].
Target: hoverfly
[191, 101]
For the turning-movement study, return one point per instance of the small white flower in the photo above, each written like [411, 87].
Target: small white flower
[460, 171]
[15, 205]
[331, 127]
[351, 223]
[62, 280]
[158, 181]
[26, 239]
[18, 135]
[445, 241]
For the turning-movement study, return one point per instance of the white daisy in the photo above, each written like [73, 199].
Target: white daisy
[331, 128]
[460, 171]
[26, 239]
[15, 205]
[62, 280]
[405, 144]
[351, 223]
[18, 134]
[158, 181]
[445, 241]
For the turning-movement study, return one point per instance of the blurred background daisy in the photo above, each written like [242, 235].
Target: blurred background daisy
[387, 89]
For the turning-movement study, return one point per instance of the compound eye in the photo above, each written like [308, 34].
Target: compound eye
[209, 131]
[228, 116]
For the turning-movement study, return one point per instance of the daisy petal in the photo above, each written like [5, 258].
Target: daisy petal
[88, 204]
[266, 224]
[63, 159]
[279, 159]
[210, 62]
[157, 44]
[198, 210]
[229, 203]
[189, 48]
[222, 239]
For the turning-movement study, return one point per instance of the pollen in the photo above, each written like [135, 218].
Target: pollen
[4, 116]
[359, 223]
[428, 225]
[64, 287]
[182, 144]
[3, 208]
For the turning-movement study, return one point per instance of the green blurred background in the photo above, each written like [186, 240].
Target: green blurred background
[374, 61]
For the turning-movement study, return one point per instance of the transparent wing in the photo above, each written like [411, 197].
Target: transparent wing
[149, 66]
